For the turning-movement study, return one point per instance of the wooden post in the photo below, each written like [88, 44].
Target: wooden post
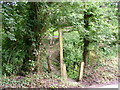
[39, 61]
[49, 62]
[61, 51]
[64, 72]
[81, 71]
[62, 65]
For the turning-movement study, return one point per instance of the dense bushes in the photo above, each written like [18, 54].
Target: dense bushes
[99, 27]
[72, 53]
[73, 47]
[26, 25]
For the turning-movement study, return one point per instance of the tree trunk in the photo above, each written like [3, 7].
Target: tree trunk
[85, 51]
[39, 66]
[85, 58]
[37, 28]
[86, 44]
[85, 39]
[28, 41]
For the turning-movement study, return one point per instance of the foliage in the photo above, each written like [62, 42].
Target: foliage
[28, 25]
[33, 81]
[72, 53]
[102, 28]
[13, 37]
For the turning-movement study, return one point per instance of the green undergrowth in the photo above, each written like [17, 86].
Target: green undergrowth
[35, 81]
[103, 73]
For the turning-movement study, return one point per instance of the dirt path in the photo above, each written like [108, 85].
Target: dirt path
[110, 86]
[113, 84]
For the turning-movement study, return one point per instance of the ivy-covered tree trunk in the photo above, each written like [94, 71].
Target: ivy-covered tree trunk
[85, 47]
[85, 50]
[85, 39]
[35, 41]
[38, 38]
[29, 49]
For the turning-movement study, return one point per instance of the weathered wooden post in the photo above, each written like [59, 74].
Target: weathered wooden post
[62, 65]
[81, 71]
